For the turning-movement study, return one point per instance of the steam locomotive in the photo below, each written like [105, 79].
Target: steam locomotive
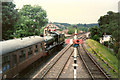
[18, 54]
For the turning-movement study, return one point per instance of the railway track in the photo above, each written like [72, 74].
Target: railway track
[55, 67]
[92, 67]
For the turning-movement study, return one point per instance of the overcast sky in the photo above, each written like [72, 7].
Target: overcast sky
[73, 11]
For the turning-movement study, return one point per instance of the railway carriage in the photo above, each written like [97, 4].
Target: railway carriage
[18, 54]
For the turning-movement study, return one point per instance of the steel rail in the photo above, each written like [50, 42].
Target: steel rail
[94, 62]
[48, 66]
[55, 65]
[65, 65]
[84, 63]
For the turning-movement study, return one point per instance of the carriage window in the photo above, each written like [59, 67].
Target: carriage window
[14, 57]
[22, 56]
[36, 49]
[30, 52]
[41, 44]
[41, 47]
[6, 63]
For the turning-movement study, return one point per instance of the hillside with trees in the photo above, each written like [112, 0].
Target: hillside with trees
[71, 28]
[78, 25]
[108, 24]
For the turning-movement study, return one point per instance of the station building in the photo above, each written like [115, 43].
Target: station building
[50, 27]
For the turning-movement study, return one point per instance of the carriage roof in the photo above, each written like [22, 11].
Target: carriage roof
[15, 44]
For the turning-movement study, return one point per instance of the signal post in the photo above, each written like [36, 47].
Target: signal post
[75, 43]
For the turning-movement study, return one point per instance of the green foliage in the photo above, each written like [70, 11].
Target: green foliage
[87, 25]
[22, 27]
[105, 53]
[31, 21]
[81, 27]
[106, 43]
[84, 29]
[41, 30]
[109, 25]
[9, 19]
[60, 29]
[71, 30]
[96, 37]
[95, 33]
[119, 64]
[36, 13]
[65, 24]
[27, 22]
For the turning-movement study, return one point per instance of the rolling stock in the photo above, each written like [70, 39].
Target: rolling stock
[18, 54]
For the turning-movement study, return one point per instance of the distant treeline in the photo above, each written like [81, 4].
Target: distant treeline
[88, 25]
[78, 25]
[71, 27]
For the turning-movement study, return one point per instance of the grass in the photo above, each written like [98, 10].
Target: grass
[104, 52]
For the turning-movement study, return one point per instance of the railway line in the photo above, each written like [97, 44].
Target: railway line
[55, 67]
[95, 71]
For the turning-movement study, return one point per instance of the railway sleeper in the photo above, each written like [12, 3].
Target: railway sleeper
[95, 72]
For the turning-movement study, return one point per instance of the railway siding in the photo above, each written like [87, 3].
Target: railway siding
[101, 60]
[93, 68]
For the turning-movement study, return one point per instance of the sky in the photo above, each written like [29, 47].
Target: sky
[73, 11]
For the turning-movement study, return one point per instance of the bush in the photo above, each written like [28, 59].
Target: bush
[71, 31]
[96, 37]
[106, 43]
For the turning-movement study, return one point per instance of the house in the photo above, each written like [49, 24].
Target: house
[50, 27]
[80, 31]
[105, 38]
[65, 31]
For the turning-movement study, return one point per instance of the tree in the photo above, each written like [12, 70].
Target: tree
[9, 19]
[22, 28]
[96, 37]
[31, 21]
[37, 15]
[71, 31]
[119, 63]
[109, 24]
[95, 33]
